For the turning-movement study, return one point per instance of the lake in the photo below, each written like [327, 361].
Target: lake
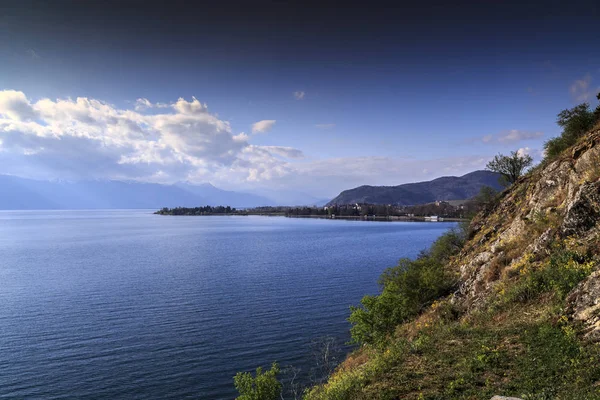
[126, 304]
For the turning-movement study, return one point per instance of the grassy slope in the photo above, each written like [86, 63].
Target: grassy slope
[517, 342]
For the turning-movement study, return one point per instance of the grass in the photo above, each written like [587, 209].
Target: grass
[519, 345]
[521, 352]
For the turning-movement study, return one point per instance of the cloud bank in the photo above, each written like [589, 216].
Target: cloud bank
[89, 139]
[511, 136]
[84, 138]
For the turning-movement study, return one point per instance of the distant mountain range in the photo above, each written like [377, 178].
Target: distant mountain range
[444, 188]
[27, 194]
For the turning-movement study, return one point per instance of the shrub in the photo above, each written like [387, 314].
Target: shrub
[406, 290]
[575, 123]
[486, 198]
[555, 146]
[264, 386]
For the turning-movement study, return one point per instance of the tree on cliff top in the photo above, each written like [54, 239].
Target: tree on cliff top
[511, 167]
[575, 122]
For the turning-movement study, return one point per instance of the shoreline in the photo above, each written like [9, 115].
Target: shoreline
[343, 217]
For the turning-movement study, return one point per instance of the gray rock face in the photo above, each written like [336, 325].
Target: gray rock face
[584, 305]
[558, 202]
[583, 211]
[504, 398]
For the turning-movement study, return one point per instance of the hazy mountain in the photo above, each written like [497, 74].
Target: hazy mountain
[290, 197]
[216, 196]
[444, 188]
[26, 194]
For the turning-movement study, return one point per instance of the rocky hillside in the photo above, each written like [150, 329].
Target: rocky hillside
[558, 203]
[444, 188]
[522, 315]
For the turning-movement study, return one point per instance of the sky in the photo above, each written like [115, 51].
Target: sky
[315, 97]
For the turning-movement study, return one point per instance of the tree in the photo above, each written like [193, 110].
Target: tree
[485, 198]
[511, 167]
[575, 123]
[264, 386]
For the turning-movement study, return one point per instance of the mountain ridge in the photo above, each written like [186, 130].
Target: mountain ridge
[442, 188]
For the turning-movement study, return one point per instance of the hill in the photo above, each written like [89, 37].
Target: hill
[509, 305]
[444, 188]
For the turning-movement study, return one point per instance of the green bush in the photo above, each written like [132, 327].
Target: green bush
[406, 290]
[555, 146]
[575, 123]
[264, 386]
[487, 197]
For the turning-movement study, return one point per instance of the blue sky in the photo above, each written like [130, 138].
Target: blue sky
[359, 95]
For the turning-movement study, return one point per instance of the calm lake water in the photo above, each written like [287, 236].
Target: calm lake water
[126, 304]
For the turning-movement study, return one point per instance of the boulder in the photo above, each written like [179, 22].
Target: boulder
[583, 211]
[505, 398]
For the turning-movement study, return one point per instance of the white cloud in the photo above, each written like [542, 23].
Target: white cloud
[299, 95]
[90, 139]
[142, 104]
[325, 126]
[487, 138]
[190, 107]
[536, 154]
[284, 151]
[33, 54]
[263, 126]
[515, 135]
[14, 105]
[581, 90]
[510, 136]
[241, 137]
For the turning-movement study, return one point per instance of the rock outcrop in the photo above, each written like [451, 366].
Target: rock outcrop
[584, 305]
[559, 202]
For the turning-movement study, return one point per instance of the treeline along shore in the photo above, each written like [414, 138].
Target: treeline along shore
[200, 211]
[437, 211]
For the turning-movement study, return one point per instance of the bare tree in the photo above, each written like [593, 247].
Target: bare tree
[293, 387]
[327, 352]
